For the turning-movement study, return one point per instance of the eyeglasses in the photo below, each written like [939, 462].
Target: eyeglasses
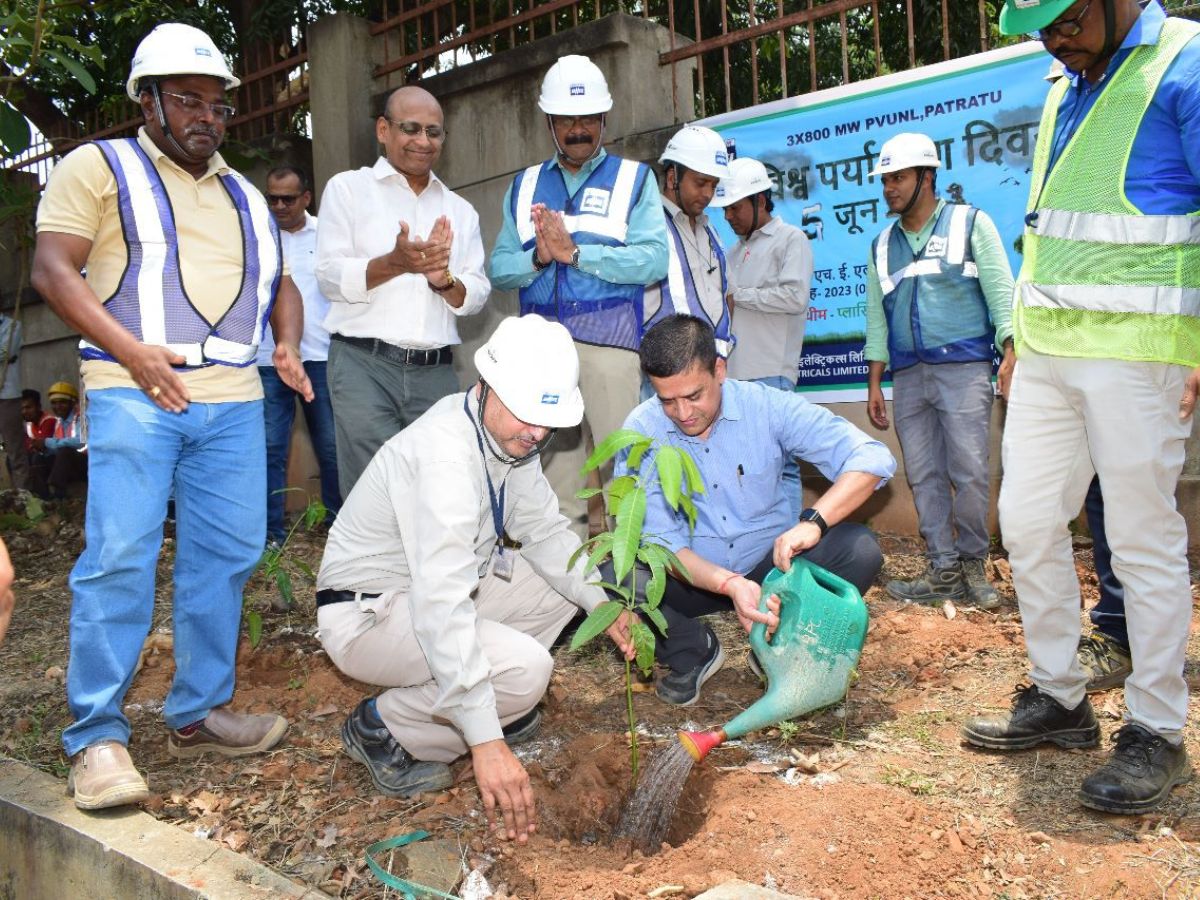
[285, 199]
[412, 129]
[1063, 28]
[220, 111]
[574, 121]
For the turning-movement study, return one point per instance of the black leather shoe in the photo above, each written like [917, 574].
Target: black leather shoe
[1138, 776]
[1035, 718]
[524, 728]
[392, 769]
[683, 688]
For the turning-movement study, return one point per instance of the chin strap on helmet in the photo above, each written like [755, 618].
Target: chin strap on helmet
[485, 391]
[912, 201]
[562, 154]
[163, 125]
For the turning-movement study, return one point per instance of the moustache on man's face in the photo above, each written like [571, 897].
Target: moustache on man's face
[578, 139]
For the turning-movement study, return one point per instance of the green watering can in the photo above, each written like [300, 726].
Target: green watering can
[808, 662]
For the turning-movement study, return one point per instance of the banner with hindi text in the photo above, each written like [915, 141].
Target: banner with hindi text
[981, 111]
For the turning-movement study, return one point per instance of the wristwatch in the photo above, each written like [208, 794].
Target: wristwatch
[442, 288]
[811, 515]
[538, 265]
[575, 257]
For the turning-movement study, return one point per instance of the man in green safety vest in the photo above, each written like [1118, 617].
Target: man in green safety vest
[1106, 323]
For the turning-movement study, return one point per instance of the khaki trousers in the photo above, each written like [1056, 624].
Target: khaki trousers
[610, 380]
[1067, 419]
[516, 622]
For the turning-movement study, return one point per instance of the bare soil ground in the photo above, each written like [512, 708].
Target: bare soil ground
[886, 801]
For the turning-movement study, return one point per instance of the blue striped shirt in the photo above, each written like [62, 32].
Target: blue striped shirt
[1163, 175]
[744, 506]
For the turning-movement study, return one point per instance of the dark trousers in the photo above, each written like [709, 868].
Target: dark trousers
[279, 410]
[69, 465]
[1108, 616]
[849, 550]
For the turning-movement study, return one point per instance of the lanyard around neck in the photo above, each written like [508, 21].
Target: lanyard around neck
[495, 499]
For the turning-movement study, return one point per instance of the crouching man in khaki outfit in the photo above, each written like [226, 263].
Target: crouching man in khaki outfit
[445, 578]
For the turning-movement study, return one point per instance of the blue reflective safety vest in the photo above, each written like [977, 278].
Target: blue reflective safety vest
[593, 310]
[150, 300]
[679, 287]
[935, 307]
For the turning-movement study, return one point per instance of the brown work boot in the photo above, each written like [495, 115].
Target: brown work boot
[980, 592]
[1105, 661]
[103, 775]
[227, 733]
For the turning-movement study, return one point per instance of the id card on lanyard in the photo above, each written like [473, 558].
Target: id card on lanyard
[502, 552]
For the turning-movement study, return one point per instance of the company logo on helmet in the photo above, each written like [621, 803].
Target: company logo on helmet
[549, 399]
[578, 90]
[203, 51]
[885, 160]
[721, 159]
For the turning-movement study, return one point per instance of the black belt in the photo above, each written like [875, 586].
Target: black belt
[328, 596]
[405, 356]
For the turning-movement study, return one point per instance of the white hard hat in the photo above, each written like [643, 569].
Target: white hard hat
[177, 49]
[907, 151]
[699, 148]
[747, 177]
[574, 86]
[533, 367]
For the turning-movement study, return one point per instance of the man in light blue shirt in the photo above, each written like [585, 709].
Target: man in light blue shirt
[582, 234]
[740, 434]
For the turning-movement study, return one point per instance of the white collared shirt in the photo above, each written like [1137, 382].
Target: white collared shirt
[361, 211]
[300, 253]
[418, 528]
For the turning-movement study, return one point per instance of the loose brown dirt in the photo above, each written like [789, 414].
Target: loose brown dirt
[875, 798]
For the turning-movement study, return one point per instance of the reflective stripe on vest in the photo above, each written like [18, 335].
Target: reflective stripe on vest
[935, 306]
[593, 310]
[678, 289]
[1100, 278]
[151, 302]
[603, 209]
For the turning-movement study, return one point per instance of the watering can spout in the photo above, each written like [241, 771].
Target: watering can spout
[699, 743]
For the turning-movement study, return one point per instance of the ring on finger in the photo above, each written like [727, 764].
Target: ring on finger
[155, 391]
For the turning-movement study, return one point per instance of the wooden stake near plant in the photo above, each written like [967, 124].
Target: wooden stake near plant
[627, 544]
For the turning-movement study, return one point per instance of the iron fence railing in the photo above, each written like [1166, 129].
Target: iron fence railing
[744, 52]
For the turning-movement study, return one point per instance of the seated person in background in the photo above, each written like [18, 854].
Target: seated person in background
[741, 434]
[69, 462]
[39, 425]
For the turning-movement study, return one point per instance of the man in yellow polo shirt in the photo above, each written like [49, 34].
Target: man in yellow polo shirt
[183, 270]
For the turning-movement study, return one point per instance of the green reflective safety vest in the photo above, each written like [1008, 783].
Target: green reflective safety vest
[1099, 278]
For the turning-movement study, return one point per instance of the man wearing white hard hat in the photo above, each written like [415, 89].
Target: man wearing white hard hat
[938, 293]
[582, 234]
[1106, 317]
[445, 578]
[770, 270]
[695, 162]
[183, 269]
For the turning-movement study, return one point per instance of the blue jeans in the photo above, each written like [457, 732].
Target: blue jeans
[791, 469]
[279, 410]
[1108, 615]
[213, 456]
